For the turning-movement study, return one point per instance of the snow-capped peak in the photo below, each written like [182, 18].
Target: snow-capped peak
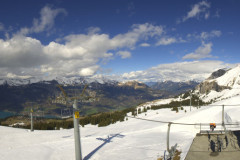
[223, 87]
[231, 78]
[19, 82]
[70, 80]
[60, 80]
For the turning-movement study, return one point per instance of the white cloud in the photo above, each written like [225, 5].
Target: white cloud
[201, 52]
[166, 41]
[169, 40]
[45, 22]
[197, 9]
[124, 54]
[179, 71]
[10, 75]
[203, 36]
[145, 45]
[93, 30]
[77, 54]
[138, 32]
[87, 71]
[212, 34]
[21, 51]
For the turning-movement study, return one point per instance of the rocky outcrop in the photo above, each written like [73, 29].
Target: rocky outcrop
[217, 74]
[174, 88]
[206, 86]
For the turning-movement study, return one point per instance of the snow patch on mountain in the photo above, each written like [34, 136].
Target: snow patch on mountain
[60, 80]
[19, 82]
[70, 80]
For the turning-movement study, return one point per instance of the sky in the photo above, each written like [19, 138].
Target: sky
[144, 40]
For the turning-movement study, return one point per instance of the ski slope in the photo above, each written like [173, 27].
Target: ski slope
[132, 139]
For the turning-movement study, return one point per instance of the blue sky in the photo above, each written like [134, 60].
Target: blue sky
[145, 40]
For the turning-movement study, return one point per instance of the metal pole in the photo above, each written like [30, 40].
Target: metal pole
[200, 127]
[164, 155]
[78, 150]
[190, 102]
[222, 114]
[169, 125]
[223, 124]
[31, 119]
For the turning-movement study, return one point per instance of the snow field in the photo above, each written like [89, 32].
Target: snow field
[131, 139]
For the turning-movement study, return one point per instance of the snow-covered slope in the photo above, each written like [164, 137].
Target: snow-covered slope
[132, 139]
[223, 87]
[230, 78]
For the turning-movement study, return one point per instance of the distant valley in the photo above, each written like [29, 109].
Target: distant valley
[22, 95]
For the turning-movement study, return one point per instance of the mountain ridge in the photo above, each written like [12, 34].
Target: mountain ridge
[221, 87]
[174, 88]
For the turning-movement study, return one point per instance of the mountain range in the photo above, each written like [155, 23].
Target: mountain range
[221, 85]
[173, 88]
[19, 95]
[139, 136]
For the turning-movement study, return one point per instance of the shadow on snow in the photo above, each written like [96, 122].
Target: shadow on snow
[105, 141]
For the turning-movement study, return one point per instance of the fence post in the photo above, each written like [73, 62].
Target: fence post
[223, 115]
[223, 123]
[164, 155]
[200, 127]
[168, 132]
[190, 101]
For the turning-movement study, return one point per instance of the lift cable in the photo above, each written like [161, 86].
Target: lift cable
[177, 122]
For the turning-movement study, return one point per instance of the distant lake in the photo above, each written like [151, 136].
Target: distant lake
[5, 114]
